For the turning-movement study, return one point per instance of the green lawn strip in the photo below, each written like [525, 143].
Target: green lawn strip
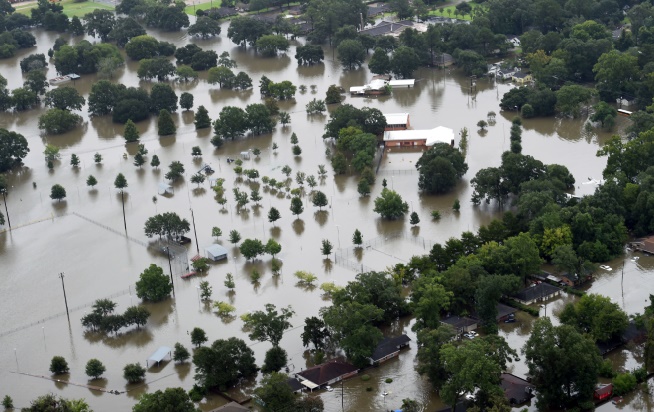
[70, 8]
[444, 11]
[202, 6]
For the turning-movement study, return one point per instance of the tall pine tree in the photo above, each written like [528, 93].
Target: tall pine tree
[202, 119]
[165, 124]
[131, 133]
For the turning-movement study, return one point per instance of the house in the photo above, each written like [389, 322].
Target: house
[443, 60]
[231, 407]
[516, 390]
[216, 253]
[504, 312]
[397, 121]
[502, 70]
[460, 324]
[513, 40]
[378, 9]
[644, 245]
[522, 77]
[389, 348]
[603, 392]
[536, 293]
[407, 138]
[375, 87]
[393, 28]
[295, 385]
[326, 374]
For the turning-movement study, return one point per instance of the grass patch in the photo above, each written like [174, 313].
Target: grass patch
[70, 8]
[202, 6]
[449, 11]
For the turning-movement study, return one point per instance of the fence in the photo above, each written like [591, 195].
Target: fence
[397, 172]
[343, 257]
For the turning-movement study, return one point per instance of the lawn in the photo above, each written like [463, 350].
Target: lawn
[450, 12]
[70, 8]
[201, 6]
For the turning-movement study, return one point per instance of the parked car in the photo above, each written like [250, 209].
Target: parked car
[329, 388]
[470, 335]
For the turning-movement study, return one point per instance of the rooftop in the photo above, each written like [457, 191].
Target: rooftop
[389, 345]
[396, 118]
[387, 27]
[521, 75]
[458, 321]
[323, 373]
[539, 291]
[231, 407]
[516, 390]
[438, 134]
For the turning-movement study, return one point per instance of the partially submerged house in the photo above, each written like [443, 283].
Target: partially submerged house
[389, 348]
[326, 374]
[504, 312]
[231, 407]
[216, 252]
[393, 28]
[516, 390]
[397, 121]
[536, 293]
[405, 138]
[522, 77]
[645, 244]
[460, 324]
[603, 392]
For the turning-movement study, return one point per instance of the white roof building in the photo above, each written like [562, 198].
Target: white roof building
[396, 118]
[429, 137]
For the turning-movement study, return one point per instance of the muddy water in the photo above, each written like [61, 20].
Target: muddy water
[50, 237]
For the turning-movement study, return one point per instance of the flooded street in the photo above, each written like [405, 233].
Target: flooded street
[83, 235]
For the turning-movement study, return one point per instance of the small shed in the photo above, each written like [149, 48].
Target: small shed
[397, 121]
[245, 155]
[165, 189]
[158, 355]
[216, 252]
[603, 392]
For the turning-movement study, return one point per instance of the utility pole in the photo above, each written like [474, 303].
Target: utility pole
[4, 197]
[195, 232]
[172, 283]
[122, 199]
[63, 286]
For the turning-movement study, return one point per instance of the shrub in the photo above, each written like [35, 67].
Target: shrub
[134, 372]
[624, 383]
[58, 365]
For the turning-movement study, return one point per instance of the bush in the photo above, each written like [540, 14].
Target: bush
[606, 369]
[388, 380]
[94, 368]
[624, 383]
[527, 111]
[365, 377]
[640, 374]
[58, 365]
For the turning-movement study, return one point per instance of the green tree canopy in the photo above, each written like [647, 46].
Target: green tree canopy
[153, 285]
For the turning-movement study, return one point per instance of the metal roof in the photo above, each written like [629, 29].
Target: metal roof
[159, 354]
[396, 118]
[438, 134]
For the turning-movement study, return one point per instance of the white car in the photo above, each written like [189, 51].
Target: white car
[329, 388]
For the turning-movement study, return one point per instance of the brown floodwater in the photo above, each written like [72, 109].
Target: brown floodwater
[83, 236]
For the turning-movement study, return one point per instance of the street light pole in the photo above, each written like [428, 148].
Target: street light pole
[338, 230]
[122, 199]
[195, 232]
[4, 197]
[172, 283]
[61, 275]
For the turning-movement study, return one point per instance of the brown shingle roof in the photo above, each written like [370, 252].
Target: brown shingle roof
[321, 374]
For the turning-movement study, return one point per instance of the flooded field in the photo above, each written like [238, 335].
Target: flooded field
[83, 236]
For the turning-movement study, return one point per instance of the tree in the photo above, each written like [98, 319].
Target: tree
[153, 285]
[273, 215]
[272, 247]
[275, 392]
[269, 325]
[258, 119]
[269, 45]
[309, 404]
[131, 133]
[57, 192]
[202, 119]
[231, 123]
[165, 124]
[333, 95]
[603, 113]
[309, 54]
[357, 238]
[276, 359]
[234, 236]
[570, 98]
[439, 168]
[13, 149]
[99, 23]
[57, 121]
[64, 98]
[596, 316]
[134, 372]
[326, 248]
[142, 47]
[158, 67]
[316, 106]
[136, 315]
[58, 365]
[351, 326]
[204, 27]
[7, 402]
[404, 62]
[186, 101]
[474, 366]
[319, 199]
[186, 73]
[221, 75]
[36, 82]
[251, 248]
[390, 205]
[482, 124]
[198, 337]
[351, 53]
[155, 161]
[562, 363]
[414, 218]
[74, 160]
[91, 181]
[229, 282]
[315, 332]
[94, 368]
[223, 363]
[379, 62]
[180, 354]
[174, 399]
[296, 206]
[124, 30]
[615, 74]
